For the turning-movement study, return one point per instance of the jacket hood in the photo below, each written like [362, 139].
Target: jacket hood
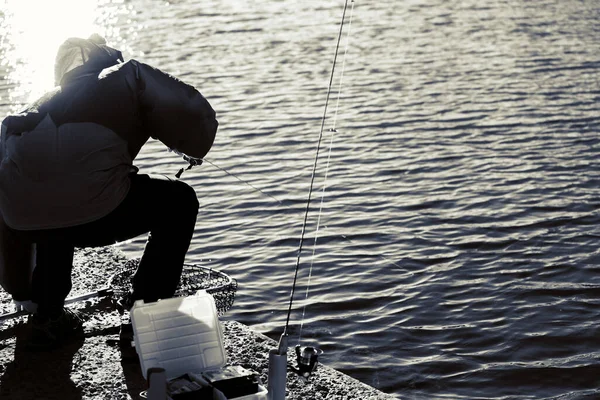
[77, 56]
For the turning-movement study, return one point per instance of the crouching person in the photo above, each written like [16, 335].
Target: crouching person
[67, 177]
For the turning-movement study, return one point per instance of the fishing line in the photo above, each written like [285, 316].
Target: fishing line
[290, 208]
[333, 131]
[287, 322]
[337, 105]
[243, 181]
[345, 237]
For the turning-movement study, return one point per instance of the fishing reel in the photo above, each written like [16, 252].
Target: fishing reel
[307, 358]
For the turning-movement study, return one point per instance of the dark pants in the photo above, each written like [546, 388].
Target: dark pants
[167, 208]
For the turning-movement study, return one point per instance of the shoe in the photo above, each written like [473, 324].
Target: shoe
[126, 343]
[50, 333]
[126, 335]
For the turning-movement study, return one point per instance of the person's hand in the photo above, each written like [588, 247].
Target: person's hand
[190, 160]
[193, 161]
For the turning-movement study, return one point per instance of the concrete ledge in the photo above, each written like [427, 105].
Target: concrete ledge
[93, 369]
[251, 350]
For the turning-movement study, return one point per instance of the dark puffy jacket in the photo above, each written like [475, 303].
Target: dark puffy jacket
[65, 160]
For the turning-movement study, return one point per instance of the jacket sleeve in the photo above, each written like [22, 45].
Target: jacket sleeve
[175, 113]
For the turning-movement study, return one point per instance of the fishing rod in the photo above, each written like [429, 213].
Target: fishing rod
[313, 174]
[333, 131]
[306, 357]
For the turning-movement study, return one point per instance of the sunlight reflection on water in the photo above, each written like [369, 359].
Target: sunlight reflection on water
[32, 30]
[460, 252]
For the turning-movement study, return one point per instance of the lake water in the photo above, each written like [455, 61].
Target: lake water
[457, 250]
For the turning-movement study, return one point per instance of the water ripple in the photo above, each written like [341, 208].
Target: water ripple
[457, 253]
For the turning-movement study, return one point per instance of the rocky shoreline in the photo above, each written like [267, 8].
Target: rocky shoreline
[93, 368]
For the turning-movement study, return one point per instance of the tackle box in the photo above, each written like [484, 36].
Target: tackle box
[181, 335]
